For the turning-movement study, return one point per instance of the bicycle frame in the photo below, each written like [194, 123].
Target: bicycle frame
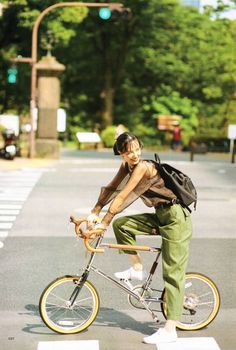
[129, 288]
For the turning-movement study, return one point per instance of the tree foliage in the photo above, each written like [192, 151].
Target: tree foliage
[166, 59]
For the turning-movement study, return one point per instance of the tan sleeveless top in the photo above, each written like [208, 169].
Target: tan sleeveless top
[143, 181]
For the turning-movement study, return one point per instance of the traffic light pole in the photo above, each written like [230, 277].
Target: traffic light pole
[33, 59]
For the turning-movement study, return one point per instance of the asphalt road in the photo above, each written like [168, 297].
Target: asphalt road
[39, 245]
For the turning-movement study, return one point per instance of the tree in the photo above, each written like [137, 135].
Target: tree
[171, 103]
[114, 70]
[187, 52]
[15, 39]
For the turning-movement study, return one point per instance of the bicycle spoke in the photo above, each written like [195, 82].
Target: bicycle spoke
[206, 303]
[82, 300]
[60, 315]
[204, 295]
[54, 316]
[58, 297]
[201, 302]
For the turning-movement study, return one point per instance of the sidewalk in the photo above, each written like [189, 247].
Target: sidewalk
[21, 162]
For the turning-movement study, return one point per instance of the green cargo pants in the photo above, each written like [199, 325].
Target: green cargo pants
[175, 228]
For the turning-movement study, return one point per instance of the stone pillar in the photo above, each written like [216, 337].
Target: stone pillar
[48, 70]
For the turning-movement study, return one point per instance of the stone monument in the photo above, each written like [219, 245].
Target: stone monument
[48, 96]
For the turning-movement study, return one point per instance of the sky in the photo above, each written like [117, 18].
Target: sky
[228, 14]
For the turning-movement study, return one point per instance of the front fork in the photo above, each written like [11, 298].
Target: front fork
[80, 282]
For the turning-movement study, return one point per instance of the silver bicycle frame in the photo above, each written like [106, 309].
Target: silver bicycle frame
[128, 289]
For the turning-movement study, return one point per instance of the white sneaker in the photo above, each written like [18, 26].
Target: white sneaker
[161, 336]
[131, 274]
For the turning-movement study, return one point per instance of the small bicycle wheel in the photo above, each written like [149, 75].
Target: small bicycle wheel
[201, 302]
[62, 315]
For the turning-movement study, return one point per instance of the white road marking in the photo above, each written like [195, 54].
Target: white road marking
[3, 234]
[7, 218]
[1, 245]
[85, 161]
[9, 211]
[22, 189]
[16, 183]
[15, 188]
[10, 206]
[201, 343]
[5, 225]
[69, 345]
[13, 198]
[94, 170]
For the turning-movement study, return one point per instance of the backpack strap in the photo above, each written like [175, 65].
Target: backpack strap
[158, 161]
[157, 158]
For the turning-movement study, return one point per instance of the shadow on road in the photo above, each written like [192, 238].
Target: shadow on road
[106, 317]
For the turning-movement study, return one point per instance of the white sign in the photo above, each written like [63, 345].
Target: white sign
[87, 137]
[10, 121]
[61, 120]
[232, 132]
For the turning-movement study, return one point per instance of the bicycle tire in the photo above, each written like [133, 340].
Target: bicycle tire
[55, 309]
[201, 302]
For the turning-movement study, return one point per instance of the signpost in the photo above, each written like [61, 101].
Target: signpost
[167, 122]
[232, 137]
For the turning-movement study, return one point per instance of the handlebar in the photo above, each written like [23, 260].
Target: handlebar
[86, 234]
[90, 233]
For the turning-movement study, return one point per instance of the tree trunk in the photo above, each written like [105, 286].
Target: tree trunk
[108, 96]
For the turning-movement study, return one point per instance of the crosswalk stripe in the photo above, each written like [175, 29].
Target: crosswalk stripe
[23, 183]
[9, 211]
[15, 188]
[5, 225]
[94, 170]
[3, 234]
[7, 218]
[194, 343]
[69, 345]
[10, 206]
[23, 177]
[13, 198]
[16, 194]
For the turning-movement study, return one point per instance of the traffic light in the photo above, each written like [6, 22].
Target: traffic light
[109, 13]
[12, 75]
[104, 13]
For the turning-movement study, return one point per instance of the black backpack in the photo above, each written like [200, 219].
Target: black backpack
[179, 183]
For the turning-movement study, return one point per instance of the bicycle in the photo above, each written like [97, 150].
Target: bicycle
[70, 304]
